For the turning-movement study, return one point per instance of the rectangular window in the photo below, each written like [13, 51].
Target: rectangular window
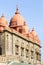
[38, 56]
[22, 51]
[27, 53]
[32, 54]
[0, 51]
[16, 49]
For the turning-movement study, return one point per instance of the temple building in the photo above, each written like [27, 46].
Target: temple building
[18, 45]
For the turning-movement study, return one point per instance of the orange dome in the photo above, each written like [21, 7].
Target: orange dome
[34, 32]
[17, 19]
[30, 36]
[26, 30]
[35, 36]
[3, 21]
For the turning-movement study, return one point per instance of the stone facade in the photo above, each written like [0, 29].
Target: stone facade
[17, 43]
[41, 63]
[17, 48]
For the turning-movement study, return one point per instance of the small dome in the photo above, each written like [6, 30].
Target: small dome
[33, 32]
[35, 36]
[17, 19]
[30, 36]
[3, 21]
[26, 29]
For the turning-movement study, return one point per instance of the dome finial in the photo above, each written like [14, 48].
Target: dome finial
[2, 15]
[17, 10]
[16, 7]
[33, 29]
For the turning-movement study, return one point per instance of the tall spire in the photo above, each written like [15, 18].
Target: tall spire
[17, 10]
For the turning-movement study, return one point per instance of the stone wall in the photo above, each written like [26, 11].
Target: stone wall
[16, 48]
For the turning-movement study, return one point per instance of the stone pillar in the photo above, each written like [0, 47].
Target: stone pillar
[29, 54]
[24, 54]
[34, 55]
[13, 45]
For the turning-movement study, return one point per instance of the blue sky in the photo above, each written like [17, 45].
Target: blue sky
[31, 10]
